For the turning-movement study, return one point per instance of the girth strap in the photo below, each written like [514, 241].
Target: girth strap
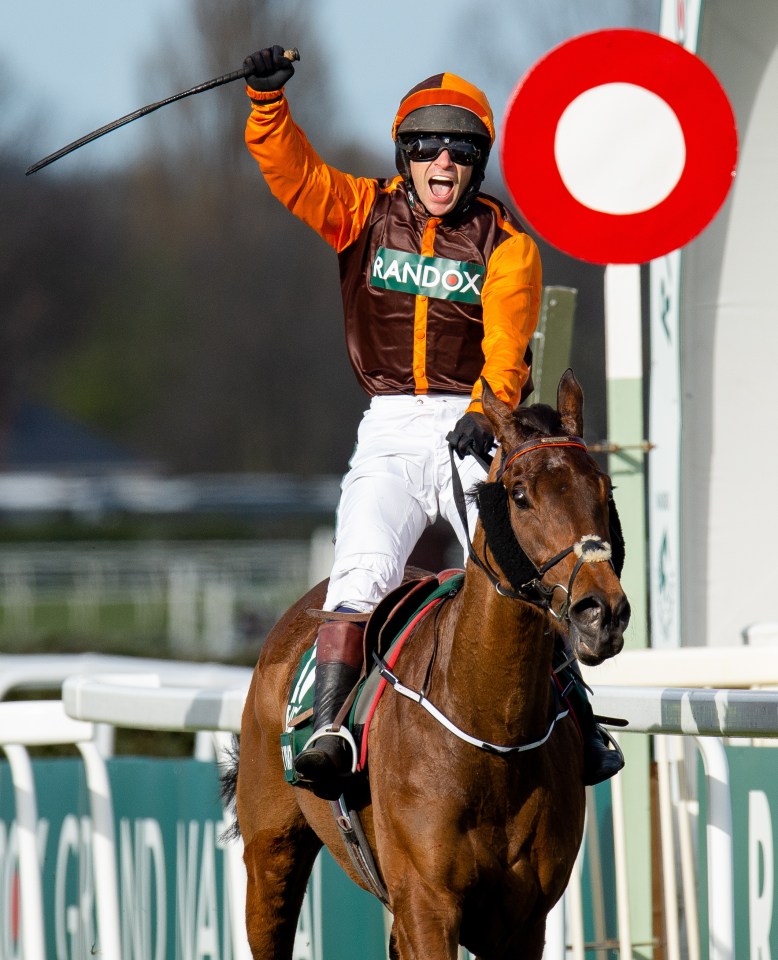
[358, 848]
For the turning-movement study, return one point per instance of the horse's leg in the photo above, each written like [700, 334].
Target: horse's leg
[426, 925]
[534, 941]
[529, 944]
[277, 871]
[279, 845]
[426, 939]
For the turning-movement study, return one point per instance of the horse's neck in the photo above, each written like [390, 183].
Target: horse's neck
[499, 661]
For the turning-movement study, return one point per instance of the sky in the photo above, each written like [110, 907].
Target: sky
[76, 65]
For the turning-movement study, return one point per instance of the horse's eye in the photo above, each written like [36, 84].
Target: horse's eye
[520, 498]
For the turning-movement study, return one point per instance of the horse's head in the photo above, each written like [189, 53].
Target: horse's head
[561, 515]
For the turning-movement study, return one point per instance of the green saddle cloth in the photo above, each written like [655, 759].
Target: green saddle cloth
[299, 727]
[299, 708]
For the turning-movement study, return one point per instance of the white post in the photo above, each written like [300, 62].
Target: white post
[30, 892]
[668, 847]
[664, 492]
[182, 609]
[218, 607]
[718, 831]
[103, 850]
[624, 366]
[679, 22]
[624, 362]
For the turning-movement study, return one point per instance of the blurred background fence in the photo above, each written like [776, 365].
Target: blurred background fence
[152, 565]
[189, 599]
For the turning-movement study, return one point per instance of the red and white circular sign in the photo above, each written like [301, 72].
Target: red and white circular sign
[619, 146]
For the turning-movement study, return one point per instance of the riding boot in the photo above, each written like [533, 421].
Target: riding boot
[323, 766]
[600, 762]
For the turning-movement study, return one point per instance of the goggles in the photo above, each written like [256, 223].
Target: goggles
[428, 147]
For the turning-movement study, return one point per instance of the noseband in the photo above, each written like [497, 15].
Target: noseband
[588, 549]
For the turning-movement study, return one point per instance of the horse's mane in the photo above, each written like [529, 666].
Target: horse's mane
[538, 420]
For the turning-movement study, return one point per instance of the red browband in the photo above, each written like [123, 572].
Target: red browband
[539, 443]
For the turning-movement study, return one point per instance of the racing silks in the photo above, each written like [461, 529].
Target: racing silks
[431, 304]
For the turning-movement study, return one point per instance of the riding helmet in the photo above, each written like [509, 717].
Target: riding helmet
[445, 103]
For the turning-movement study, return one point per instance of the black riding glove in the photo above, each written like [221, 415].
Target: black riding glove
[472, 433]
[267, 69]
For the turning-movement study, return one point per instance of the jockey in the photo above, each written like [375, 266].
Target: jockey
[441, 286]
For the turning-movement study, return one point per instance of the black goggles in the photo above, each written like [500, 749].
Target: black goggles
[426, 147]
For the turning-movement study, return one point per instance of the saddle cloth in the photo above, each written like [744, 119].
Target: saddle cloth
[389, 626]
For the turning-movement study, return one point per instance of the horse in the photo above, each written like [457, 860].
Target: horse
[473, 846]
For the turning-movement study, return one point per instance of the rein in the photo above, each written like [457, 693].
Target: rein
[589, 549]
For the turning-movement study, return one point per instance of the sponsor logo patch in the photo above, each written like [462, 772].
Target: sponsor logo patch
[431, 276]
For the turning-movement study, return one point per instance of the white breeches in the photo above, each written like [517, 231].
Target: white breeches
[398, 483]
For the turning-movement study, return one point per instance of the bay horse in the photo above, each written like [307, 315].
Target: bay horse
[474, 846]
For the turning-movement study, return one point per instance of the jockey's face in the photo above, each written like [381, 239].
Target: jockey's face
[440, 183]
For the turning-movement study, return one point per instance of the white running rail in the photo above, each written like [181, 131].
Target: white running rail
[176, 696]
[31, 723]
[36, 723]
[702, 713]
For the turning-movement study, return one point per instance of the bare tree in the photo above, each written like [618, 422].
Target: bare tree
[218, 38]
[214, 341]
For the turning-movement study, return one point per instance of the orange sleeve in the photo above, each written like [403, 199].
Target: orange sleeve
[511, 302]
[335, 204]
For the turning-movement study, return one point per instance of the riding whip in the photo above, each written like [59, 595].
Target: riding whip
[244, 72]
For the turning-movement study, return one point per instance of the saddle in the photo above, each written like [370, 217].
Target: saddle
[389, 625]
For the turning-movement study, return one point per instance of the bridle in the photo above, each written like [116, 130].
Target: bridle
[588, 549]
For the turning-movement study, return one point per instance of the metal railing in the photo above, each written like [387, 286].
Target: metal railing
[164, 695]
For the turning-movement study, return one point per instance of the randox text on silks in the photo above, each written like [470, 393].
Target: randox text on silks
[431, 276]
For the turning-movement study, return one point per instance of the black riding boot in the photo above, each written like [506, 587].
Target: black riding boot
[600, 762]
[327, 762]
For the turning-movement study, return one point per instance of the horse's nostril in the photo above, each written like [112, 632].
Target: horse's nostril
[622, 612]
[588, 612]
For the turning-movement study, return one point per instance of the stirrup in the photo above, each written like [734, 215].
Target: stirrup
[607, 762]
[327, 731]
[607, 735]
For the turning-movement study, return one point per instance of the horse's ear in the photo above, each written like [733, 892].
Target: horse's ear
[498, 413]
[569, 403]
